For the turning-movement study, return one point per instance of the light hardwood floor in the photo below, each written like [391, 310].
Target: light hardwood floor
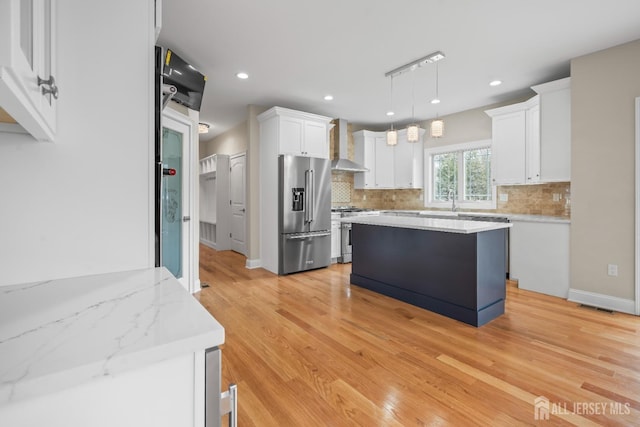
[309, 349]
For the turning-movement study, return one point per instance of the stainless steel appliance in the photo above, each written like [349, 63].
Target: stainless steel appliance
[304, 213]
[345, 229]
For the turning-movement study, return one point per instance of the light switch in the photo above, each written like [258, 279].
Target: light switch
[612, 269]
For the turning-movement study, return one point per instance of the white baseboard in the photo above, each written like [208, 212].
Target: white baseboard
[196, 286]
[602, 301]
[253, 263]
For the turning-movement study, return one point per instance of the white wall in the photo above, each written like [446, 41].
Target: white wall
[232, 142]
[83, 204]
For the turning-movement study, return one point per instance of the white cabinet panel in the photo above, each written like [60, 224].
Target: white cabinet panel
[28, 89]
[409, 162]
[536, 148]
[335, 238]
[508, 148]
[515, 148]
[365, 153]
[539, 257]
[555, 130]
[384, 163]
[532, 145]
[316, 142]
[291, 135]
[398, 166]
[303, 136]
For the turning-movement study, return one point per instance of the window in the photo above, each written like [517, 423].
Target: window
[461, 172]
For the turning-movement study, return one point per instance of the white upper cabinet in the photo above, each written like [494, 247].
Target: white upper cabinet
[28, 87]
[384, 163]
[532, 139]
[532, 145]
[409, 161]
[299, 133]
[398, 166]
[515, 147]
[364, 154]
[555, 130]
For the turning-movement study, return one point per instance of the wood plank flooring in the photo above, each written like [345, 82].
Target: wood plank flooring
[309, 349]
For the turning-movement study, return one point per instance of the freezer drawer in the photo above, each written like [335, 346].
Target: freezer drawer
[304, 251]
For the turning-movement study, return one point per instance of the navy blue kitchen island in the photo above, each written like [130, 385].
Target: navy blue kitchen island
[452, 267]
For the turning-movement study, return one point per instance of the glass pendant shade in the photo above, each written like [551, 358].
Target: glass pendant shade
[437, 128]
[412, 133]
[392, 137]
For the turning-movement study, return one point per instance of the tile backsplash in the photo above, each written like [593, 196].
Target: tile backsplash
[552, 199]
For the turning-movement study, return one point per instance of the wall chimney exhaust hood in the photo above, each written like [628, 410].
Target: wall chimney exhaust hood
[342, 163]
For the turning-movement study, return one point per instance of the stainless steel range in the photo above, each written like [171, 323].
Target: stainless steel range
[345, 229]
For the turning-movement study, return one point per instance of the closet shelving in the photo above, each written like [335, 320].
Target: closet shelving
[215, 211]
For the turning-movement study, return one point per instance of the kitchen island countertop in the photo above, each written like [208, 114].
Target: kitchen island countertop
[60, 333]
[431, 224]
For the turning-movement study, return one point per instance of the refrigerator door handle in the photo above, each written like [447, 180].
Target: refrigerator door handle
[300, 236]
[307, 196]
[312, 196]
[309, 190]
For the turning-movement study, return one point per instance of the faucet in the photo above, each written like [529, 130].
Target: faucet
[454, 208]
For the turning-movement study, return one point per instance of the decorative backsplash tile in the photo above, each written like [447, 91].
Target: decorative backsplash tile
[340, 192]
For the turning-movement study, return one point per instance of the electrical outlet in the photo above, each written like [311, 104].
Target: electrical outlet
[393, 197]
[364, 197]
[612, 270]
[504, 197]
[421, 196]
[557, 197]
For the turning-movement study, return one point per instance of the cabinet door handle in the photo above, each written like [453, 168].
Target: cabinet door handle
[51, 83]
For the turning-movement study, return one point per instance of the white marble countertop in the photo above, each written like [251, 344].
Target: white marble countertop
[432, 224]
[60, 333]
[512, 217]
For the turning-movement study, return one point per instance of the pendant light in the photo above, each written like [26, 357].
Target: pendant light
[412, 129]
[392, 135]
[437, 125]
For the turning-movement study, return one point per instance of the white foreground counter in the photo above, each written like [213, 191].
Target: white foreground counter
[61, 333]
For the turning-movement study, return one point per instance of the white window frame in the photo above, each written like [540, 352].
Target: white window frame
[428, 176]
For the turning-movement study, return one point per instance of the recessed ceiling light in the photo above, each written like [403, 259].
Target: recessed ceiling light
[435, 101]
[328, 97]
[495, 83]
[390, 113]
[242, 75]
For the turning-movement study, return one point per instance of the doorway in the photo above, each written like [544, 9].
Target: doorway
[176, 234]
[237, 195]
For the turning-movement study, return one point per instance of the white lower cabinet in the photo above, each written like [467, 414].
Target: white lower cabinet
[539, 256]
[335, 237]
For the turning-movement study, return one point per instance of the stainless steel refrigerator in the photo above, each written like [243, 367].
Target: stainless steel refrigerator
[304, 213]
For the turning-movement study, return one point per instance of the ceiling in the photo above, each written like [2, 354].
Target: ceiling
[298, 51]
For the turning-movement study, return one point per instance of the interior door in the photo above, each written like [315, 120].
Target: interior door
[237, 193]
[176, 200]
